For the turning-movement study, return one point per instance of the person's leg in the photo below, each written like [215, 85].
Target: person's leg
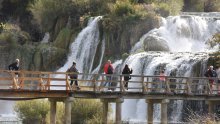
[126, 83]
[108, 84]
[76, 83]
[218, 86]
[71, 82]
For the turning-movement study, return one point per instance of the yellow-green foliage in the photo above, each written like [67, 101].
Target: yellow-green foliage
[86, 110]
[122, 8]
[11, 34]
[8, 38]
[47, 11]
[34, 110]
[169, 7]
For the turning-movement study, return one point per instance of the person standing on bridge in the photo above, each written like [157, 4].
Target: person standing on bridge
[14, 66]
[210, 73]
[108, 69]
[162, 79]
[74, 75]
[218, 76]
[126, 71]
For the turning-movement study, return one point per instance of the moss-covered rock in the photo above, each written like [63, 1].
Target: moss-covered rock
[63, 38]
[124, 35]
[47, 57]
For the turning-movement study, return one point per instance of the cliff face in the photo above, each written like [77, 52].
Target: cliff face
[42, 57]
[122, 38]
[52, 55]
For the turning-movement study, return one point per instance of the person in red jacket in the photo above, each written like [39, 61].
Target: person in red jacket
[108, 69]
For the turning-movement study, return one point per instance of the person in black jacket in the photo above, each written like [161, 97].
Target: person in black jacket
[14, 66]
[126, 71]
[74, 76]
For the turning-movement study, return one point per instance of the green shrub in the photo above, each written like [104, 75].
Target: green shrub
[86, 110]
[169, 7]
[32, 111]
[123, 8]
[212, 6]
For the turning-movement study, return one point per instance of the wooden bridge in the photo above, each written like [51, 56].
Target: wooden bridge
[25, 85]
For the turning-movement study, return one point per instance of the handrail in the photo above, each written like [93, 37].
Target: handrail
[45, 81]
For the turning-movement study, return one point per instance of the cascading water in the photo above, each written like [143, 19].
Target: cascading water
[184, 38]
[84, 47]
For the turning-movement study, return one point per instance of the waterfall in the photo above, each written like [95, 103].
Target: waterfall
[184, 42]
[184, 45]
[83, 49]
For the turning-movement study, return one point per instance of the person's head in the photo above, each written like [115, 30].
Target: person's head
[17, 60]
[109, 62]
[74, 63]
[126, 65]
[162, 71]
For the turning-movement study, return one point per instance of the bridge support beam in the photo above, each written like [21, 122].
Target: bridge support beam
[53, 109]
[105, 111]
[150, 111]
[211, 107]
[119, 101]
[68, 108]
[164, 111]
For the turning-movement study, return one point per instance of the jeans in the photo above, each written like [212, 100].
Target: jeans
[108, 81]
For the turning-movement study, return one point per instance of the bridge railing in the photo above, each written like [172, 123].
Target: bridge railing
[46, 81]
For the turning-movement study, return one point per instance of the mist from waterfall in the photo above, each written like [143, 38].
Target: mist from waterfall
[183, 34]
[186, 39]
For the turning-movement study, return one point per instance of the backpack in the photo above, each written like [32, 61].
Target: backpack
[110, 70]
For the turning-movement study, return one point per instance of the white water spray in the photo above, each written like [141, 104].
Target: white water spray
[186, 38]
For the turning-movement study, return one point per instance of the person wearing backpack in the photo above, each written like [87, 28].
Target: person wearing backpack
[108, 69]
[74, 75]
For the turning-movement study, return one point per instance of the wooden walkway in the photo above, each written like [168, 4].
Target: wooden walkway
[27, 85]
[36, 84]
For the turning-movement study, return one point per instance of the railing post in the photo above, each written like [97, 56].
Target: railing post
[167, 85]
[48, 81]
[67, 83]
[15, 80]
[143, 84]
[22, 80]
[189, 91]
[121, 85]
[101, 87]
[147, 85]
[40, 81]
[94, 83]
[209, 90]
